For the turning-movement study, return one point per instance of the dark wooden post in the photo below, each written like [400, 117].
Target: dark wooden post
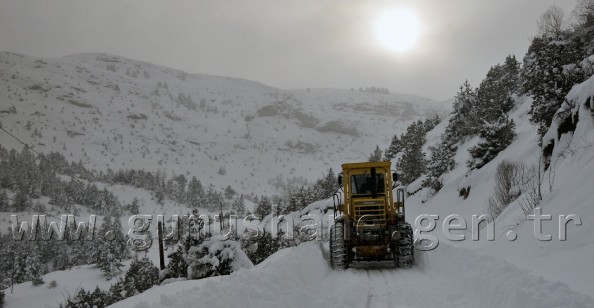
[221, 217]
[12, 275]
[161, 255]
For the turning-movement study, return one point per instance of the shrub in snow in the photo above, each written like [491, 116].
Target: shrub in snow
[214, 257]
[84, 299]
[464, 192]
[195, 257]
[261, 247]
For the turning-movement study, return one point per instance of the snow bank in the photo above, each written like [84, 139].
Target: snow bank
[300, 277]
[289, 277]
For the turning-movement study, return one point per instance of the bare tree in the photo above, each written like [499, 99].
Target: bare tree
[532, 179]
[552, 23]
[507, 187]
[584, 12]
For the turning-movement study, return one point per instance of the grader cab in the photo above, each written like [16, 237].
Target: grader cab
[369, 221]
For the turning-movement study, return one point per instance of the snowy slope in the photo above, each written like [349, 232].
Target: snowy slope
[301, 277]
[112, 112]
[567, 190]
[68, 282]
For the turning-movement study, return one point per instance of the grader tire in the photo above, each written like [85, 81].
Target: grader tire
[405, 257]
[338, 249]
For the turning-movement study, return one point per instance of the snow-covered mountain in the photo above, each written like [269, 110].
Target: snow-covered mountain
[112, 112]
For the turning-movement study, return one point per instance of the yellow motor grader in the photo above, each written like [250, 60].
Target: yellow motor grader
[369, 225]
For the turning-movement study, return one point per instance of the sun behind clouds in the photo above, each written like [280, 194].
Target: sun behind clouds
[397, 29]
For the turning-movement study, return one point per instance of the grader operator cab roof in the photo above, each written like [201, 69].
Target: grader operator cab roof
[380, 164]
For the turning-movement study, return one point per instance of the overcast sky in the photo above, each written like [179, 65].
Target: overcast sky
[284, 43]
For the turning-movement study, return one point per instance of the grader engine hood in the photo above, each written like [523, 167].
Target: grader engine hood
[369, 213]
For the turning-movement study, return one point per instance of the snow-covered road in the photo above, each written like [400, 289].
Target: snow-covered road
[301, 277]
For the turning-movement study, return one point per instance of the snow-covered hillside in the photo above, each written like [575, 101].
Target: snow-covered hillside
[111, 112]
[566, 189]
[515, 269]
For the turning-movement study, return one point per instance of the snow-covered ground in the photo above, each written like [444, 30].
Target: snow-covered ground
[301, 277]
[68, 282]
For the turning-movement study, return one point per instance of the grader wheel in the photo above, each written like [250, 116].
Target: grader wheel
[338, 249]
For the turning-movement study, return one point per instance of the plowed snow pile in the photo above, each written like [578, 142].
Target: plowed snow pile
[301, 277]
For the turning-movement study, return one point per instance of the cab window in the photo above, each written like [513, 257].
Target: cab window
[361, 184]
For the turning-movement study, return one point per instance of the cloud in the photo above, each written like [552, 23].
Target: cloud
[287, 44]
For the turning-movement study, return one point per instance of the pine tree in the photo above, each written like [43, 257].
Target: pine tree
[180, 189]
[109, 255]
[442, 161]
[22, 201]
[34, 267]
[551, 69]
[327, 186]
[141, 276]
[119, 244]
[264, 208]
[238, 205]
[229, 192]
[495, 93]
[293, 204]
[497, 137]
[177, 266]
[412, 164]
[395, 148]
[195, 193]
[430, 123]
[3, 201]
[134, 207]
[82, 299]
[376, 155]
[20, 265]
[116, 292]
[63, 259]
[465, 119]
[98, 298]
